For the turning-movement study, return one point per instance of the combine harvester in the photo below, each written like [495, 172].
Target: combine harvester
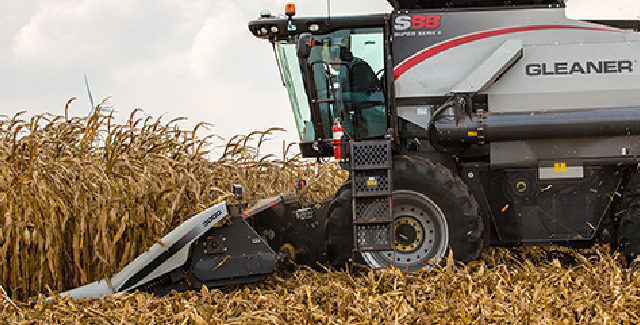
[463, 124]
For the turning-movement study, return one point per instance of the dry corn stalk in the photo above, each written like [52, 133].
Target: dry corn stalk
[80, 197]
[525, 286]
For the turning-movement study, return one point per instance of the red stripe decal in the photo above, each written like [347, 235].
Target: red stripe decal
[439, 48]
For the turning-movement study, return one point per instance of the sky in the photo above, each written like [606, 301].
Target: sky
[192, 58]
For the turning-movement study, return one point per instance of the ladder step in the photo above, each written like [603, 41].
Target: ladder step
[372, 182]
[368, 208]
[372, 168]
[370, 195]
[373, 222]
[370, 154]
[374, 237]
[371, 190]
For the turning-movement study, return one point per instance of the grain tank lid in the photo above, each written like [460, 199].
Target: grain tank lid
[434, 4]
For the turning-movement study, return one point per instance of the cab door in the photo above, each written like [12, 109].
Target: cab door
[346, 81]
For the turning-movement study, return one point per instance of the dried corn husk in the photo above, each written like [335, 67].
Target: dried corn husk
[524, 286]
[80, 197]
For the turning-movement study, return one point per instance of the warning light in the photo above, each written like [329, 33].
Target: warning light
[290, 9]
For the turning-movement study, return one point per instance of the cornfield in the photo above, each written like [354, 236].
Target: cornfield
[82, 196]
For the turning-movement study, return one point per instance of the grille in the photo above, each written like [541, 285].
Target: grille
[371, 154]
[373, 209]
[372, 182]
[374, 237]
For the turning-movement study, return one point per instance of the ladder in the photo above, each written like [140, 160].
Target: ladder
[371, 181]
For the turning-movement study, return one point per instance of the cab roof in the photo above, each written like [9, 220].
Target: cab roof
[433, 4]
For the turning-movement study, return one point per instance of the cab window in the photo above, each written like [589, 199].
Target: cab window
[349, 65]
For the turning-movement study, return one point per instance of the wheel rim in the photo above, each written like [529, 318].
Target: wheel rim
[421, 234]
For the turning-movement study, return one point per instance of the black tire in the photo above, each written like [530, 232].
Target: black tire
[339, 229]
[629, 231]
[466, 229]
[451, 195]
[461, 211]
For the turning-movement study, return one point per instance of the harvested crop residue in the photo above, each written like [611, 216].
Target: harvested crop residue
[552, 286]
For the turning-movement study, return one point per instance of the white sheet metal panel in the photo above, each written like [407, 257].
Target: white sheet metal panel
[432, 63]
[193, 228]
[570, 76]
[488, 71]
[418, 114]
[560, 172]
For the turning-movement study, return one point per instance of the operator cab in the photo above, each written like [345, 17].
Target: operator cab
[340, 69]
[344, 71]
[334, 70]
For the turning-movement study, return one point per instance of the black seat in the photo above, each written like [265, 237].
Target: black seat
[360, 75]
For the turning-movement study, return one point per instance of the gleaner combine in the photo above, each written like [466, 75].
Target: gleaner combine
[463, 124]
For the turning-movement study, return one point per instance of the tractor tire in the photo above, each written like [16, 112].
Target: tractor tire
[629, 231]
[339, 229]
[429, 199]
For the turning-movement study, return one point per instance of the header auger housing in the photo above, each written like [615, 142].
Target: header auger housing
[463, 124]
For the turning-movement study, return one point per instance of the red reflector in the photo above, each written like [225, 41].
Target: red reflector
[505, 208]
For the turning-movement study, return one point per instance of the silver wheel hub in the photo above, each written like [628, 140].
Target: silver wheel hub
[421, 234]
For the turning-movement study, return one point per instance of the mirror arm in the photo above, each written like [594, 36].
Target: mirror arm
[275, 53]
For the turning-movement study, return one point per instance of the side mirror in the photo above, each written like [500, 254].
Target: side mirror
[304, 46]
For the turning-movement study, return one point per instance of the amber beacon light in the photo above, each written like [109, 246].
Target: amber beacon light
[290, 9]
